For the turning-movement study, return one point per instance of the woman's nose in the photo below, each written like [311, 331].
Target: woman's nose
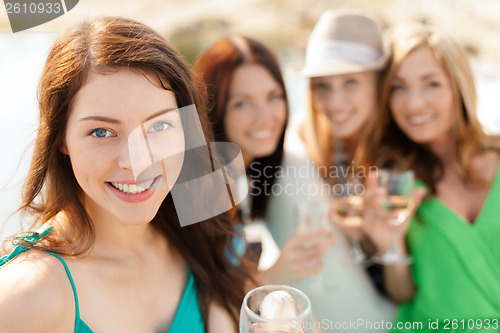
[335, 101]
[135, 153]
[263, 112]
[415, 101]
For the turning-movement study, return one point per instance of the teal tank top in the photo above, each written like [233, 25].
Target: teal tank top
[188, 317]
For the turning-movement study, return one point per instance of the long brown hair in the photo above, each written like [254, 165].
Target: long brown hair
[388, 146]
[51, 187]
[216, 66]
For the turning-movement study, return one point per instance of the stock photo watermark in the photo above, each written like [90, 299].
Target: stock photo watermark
[25, 14]
[346, 180]
[461, 325]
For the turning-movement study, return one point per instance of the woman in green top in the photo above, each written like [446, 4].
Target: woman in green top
[428, 123]
[110, 88]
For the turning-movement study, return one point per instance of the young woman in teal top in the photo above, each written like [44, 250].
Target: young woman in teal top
[111, 255]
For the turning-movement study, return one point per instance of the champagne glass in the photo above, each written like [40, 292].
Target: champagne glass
[347, 210]
[275, 309]
[395, 197]
[312, 215]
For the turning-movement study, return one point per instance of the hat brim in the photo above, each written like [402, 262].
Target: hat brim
[339, 67]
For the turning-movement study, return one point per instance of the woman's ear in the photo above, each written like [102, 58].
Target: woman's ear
[64, 149]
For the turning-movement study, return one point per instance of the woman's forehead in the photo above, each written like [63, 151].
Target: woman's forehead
[120, 92]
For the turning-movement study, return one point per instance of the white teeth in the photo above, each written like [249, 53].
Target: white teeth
[262, 134]
[144, 186]
[340, 117]
[133, 188]
[419, 120]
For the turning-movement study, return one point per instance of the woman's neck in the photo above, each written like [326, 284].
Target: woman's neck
[350, 146]
[117, 240]
[247, 159]
[445, 150]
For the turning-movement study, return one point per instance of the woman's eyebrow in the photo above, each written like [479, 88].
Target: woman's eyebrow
[238, 95]
[159, 113]
[101, 118]
[118, 122]
[430, 75]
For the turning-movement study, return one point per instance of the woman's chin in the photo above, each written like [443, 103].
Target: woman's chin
[265, 151]
[135, 219]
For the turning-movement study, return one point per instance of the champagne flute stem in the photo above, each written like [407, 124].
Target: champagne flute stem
[394, 249]
[392, 242]
[357, 252]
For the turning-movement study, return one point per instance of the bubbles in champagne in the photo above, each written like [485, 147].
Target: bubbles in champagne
[348, 211]
[399, 207]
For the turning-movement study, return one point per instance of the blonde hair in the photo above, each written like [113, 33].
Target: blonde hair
[318, 136]
[389, 144]
[317, 133]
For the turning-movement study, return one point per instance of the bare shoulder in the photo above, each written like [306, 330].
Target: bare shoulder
[35, 285]
[486, 163]
[219, 320]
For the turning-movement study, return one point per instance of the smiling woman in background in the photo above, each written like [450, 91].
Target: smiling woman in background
[112, 256]
[344, 57]
[428, 123]
[248, 106]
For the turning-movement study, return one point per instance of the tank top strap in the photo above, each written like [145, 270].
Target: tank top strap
[24, 243]
[77, 307]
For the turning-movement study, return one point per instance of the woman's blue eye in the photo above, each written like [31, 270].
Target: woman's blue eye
[397, 87]
[160, 126]
[351, 81]
[274, 97]
[433, 84]
[100, 133]
[240, 104]
[321, 85]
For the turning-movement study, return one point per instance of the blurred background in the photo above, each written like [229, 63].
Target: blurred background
[192, 25]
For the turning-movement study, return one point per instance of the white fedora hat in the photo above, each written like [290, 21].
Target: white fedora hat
[345, 41]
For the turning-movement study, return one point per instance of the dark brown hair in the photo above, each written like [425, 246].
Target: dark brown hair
[51, 187]
[216, 66]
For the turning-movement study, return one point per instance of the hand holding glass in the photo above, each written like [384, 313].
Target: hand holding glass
[395, 196]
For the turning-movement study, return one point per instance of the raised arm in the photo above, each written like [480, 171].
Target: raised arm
[397, 276]
[302, 256]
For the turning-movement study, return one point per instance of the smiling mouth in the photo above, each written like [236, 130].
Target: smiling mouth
[340, 118]
[261, 134]
[419, 120]
[133, 188]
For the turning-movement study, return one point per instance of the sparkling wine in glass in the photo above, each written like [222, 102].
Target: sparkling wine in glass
[275, 309]
[399, 207]
[347, 210]
[311, 215]
[396, 199]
